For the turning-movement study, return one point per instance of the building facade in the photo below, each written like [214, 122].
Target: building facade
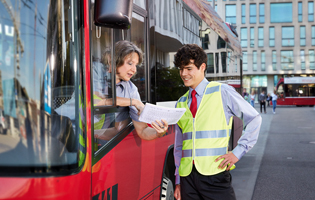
[277, 39]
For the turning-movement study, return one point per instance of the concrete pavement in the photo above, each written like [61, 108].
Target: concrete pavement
[282, 163]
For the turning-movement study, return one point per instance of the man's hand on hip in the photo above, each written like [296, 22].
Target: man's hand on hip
[177, 192]
[229, 160]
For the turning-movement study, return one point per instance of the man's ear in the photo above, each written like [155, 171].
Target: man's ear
[203, 67]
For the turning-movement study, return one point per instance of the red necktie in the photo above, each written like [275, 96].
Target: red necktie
[193, 105]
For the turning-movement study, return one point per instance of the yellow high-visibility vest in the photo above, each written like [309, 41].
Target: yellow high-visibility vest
[206, 136]
[98, 125]
[82, 149]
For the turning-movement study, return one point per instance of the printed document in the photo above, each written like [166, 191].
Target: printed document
[152, 112]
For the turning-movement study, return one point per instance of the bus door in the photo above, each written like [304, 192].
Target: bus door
[120, 164]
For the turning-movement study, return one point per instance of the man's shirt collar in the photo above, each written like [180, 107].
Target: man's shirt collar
[200, 88]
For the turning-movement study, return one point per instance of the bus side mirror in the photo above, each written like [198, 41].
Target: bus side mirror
[113, 13]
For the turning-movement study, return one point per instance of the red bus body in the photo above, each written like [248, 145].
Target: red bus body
[133, 169]
[297, 91]
[126, 167]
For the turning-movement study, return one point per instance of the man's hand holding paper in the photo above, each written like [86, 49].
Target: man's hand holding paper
[152, 113]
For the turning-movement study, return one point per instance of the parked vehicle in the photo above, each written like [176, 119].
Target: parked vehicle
[299, 91]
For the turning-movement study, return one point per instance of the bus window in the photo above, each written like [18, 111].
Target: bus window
[288, 91]
[42, 87]
[138, 33]
[303, 90]
[280, 91]
[311, 89]
[108, 123]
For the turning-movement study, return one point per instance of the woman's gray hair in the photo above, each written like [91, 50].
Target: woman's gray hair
[123, 48]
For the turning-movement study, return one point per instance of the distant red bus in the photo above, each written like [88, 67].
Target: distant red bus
[297, 91]
[234, 83]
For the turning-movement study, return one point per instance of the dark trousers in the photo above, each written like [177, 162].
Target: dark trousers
[216, 187]
[263, 104]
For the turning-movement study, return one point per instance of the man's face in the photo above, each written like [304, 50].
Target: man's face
[191, 75]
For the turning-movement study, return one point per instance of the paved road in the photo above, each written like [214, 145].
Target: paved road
[282, 163]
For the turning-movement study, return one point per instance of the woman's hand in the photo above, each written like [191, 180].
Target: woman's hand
[138, 104]
[160, 127]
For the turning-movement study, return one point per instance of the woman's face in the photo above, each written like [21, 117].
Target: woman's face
[128, 69]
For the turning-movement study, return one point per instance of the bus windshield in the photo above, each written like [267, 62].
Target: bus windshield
[41, 98]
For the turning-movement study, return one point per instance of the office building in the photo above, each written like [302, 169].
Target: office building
[277, 39]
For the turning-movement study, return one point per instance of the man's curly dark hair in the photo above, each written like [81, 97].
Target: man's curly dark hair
[190, 52]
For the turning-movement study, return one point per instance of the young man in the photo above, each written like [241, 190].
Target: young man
[202, 135]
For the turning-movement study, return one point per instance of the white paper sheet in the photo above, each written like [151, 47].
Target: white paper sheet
[152, 112]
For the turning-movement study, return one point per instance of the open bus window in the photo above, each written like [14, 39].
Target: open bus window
[109, 123]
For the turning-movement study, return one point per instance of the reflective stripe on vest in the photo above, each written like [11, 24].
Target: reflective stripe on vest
[206, 137]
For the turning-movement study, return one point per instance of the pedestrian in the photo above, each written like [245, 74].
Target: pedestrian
[274, 101]
[245, 95]
[252, 98]
[262, 100]
[201, 153]
[268, 99]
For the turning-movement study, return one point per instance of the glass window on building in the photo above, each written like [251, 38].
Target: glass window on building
[313, 35]
[261, 13]
[260, 37]
[245, 66]
[252, 14]
[216, 62]
[235, 64]
[205, 41]
[244, 37]
[302, 58]
[288, 36]
[263, 61]
[252, 37]
[258, 81]
[287, 60]
[300, 11]
[271, 36]
[280, 12]
[210, 63]
[302, 36]
[254, 60]
[223, 61]
[274, 60]
[220, 43]
[311, 58]
[243, 14]
[230, 13]
[228, 58]
[310, 11]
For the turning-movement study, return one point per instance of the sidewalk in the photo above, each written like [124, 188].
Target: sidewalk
[245, 174]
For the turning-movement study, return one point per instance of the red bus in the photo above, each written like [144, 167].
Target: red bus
[234, 83]
[297, 91]
[50, 55]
